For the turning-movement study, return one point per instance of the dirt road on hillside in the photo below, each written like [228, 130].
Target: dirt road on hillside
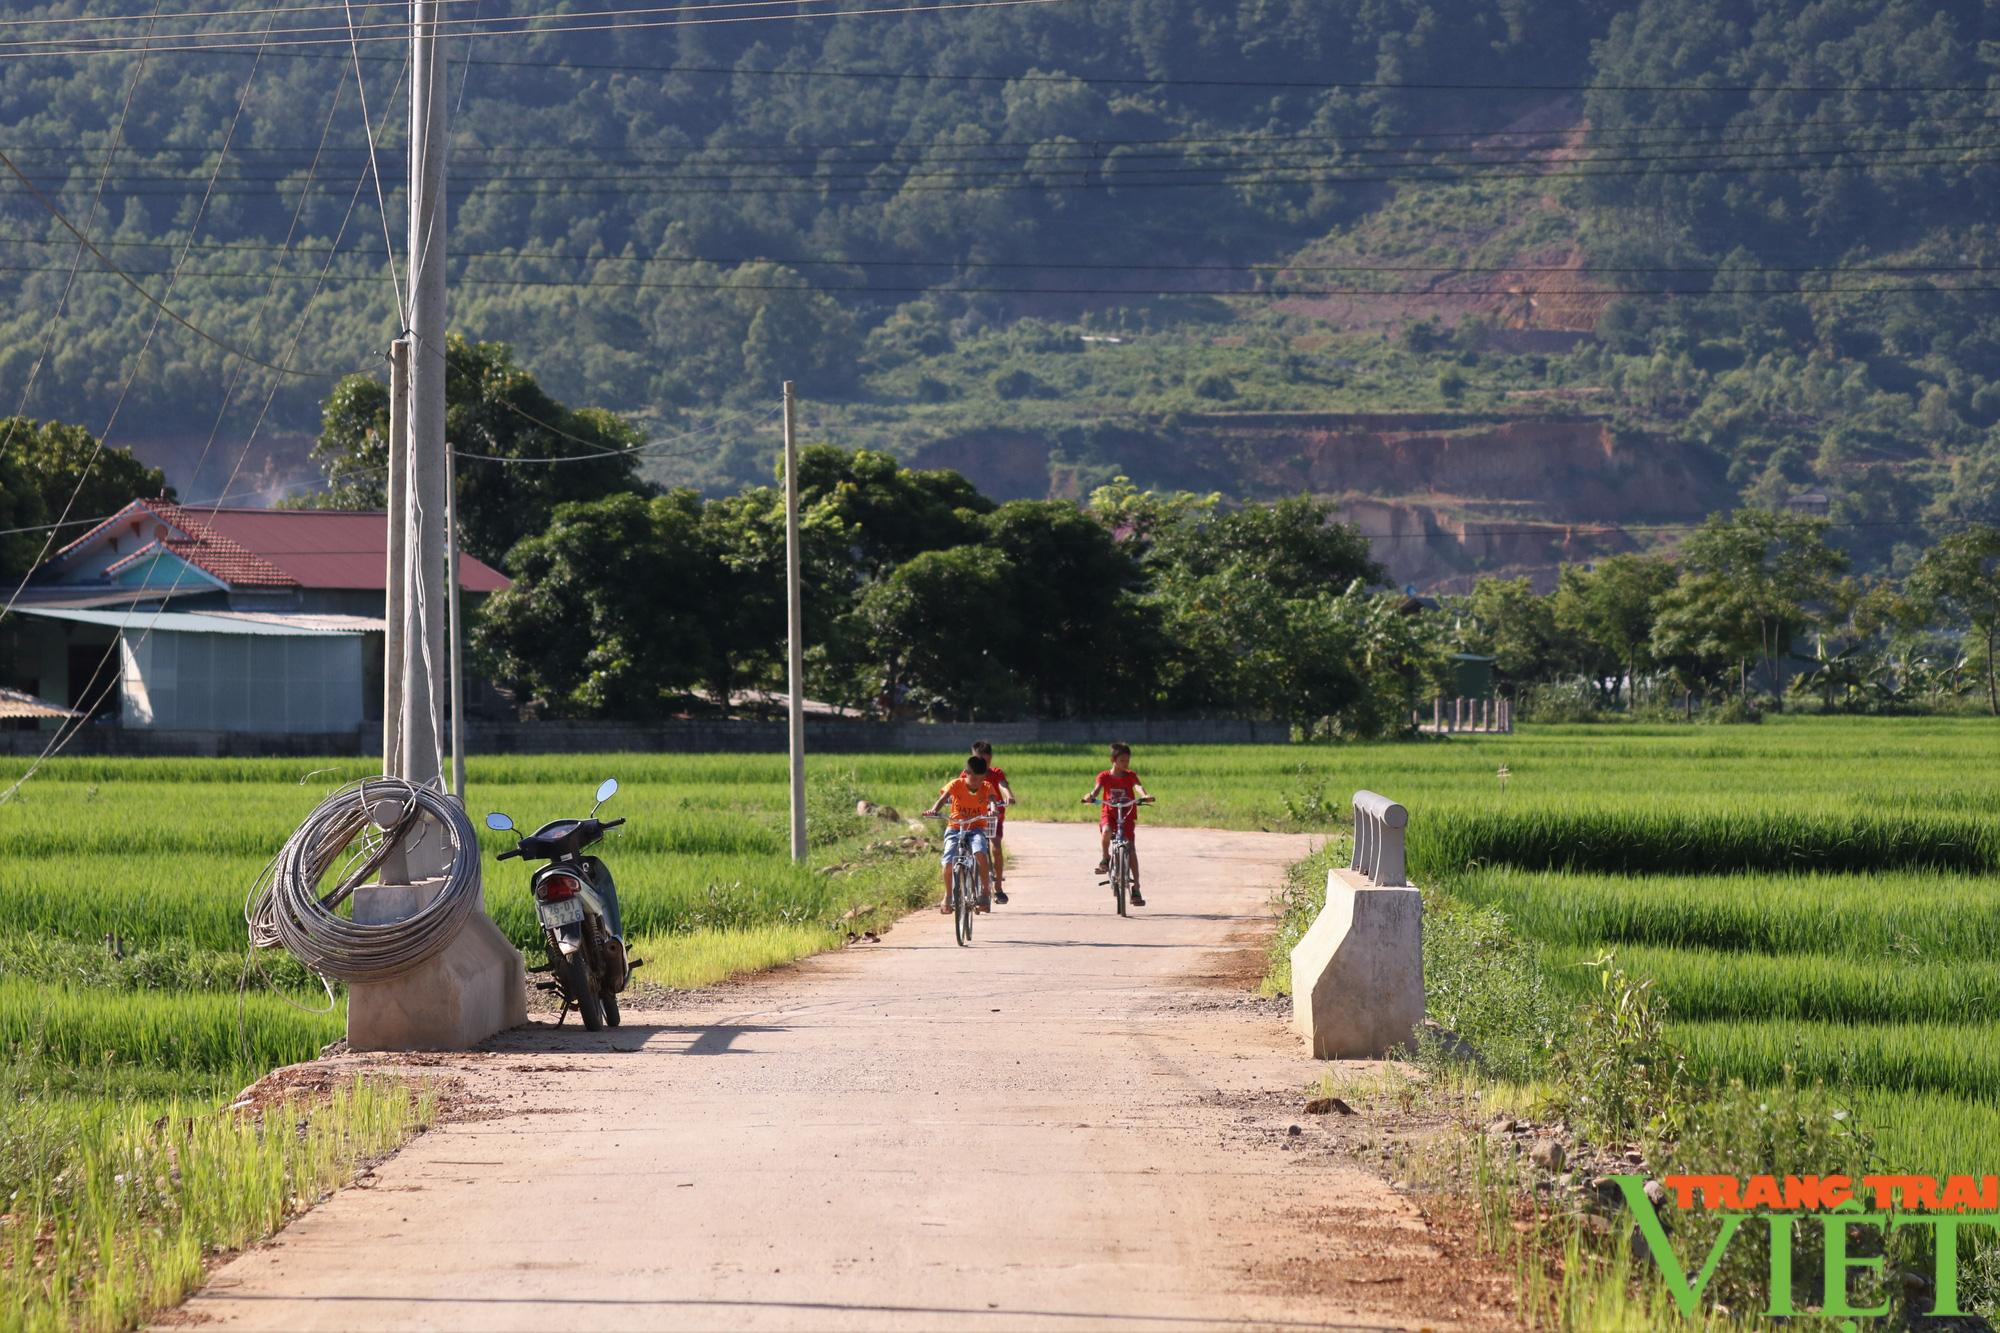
[1079, 1122]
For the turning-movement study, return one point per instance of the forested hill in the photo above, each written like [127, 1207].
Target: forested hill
[1762, 228]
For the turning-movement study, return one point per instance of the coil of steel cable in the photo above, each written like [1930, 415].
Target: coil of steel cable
[288, 910]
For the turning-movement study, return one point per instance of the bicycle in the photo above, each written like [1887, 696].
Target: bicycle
[964, 889]
[994, 814]
[1121, 848]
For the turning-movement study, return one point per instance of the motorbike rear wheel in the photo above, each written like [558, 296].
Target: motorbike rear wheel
[580, 985]
[610, 1003]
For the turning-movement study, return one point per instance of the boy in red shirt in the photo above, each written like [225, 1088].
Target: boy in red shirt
[998, 778]
[1119, 793]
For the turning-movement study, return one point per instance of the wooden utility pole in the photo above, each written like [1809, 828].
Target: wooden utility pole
[795, 634]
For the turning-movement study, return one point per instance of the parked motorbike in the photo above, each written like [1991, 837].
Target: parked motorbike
[577, 904]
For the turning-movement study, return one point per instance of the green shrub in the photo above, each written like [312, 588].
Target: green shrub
[1214, 385]
[1491, 988]
[1617, 1075]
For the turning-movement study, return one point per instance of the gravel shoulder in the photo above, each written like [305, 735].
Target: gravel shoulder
[1079, 1122]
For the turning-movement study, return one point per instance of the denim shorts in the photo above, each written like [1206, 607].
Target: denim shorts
[972, 839]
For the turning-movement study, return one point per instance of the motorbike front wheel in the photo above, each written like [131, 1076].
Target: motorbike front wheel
[580, 985]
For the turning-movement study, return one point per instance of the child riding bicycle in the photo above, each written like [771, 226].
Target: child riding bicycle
[971, 797]
[997, 779]
[1119, 794]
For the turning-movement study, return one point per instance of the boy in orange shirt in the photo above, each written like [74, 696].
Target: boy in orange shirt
[996, 778]
[1119, 795]
[971, 797]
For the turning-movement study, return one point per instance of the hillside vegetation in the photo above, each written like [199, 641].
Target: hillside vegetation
[1755, 228]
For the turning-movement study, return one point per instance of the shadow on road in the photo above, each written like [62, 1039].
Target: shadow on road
[541, 1037]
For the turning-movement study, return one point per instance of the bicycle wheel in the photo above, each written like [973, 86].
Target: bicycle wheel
[963, 892]
[1121, 876]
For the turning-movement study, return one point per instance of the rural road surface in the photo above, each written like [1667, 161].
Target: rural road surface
[1079, 1122]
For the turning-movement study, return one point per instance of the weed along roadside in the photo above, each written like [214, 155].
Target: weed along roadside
[1646, 1018]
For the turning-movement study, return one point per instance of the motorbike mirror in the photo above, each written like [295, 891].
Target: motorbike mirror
[498, 822]
[605, 791]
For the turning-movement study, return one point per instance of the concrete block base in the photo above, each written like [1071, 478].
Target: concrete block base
[478, 986]
[1358, 975]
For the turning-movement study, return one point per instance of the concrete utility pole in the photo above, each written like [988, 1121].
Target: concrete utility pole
[477, 985]
[398, 568]
[795, 635]
[423, 644]
[454, 629]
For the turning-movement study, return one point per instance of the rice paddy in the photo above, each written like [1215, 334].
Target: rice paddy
[1819, 895]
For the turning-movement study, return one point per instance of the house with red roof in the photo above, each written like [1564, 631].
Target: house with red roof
[179, 617]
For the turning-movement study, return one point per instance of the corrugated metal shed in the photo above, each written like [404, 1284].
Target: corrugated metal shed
[16, 704]
[190, 622]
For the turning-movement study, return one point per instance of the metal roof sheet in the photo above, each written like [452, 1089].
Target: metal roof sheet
[192, 622]
[20, 703]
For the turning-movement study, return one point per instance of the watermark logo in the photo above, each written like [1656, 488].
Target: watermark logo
[1772, 1208]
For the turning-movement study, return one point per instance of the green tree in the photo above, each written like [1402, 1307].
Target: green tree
[1756, 575]
[1958, 581]
[940, 624]
[894, 511]
[54, 472]
[505, 430]
[1509, 621]
[1610, 608]
[1087, 645]
[611, 609]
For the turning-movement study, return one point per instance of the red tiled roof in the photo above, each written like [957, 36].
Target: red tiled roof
[202, 545]
[330, 548]
[343, 549]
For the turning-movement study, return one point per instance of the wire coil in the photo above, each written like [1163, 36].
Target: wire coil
[287, 910]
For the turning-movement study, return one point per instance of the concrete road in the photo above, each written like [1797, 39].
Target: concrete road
[1079, 1122]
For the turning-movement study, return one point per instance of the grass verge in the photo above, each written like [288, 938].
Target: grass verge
[116, 1210]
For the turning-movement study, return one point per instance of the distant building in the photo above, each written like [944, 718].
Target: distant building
[175, 617]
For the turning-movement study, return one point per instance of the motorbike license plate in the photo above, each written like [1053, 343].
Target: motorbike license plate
[563, 912]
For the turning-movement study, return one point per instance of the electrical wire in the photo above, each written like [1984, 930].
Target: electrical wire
[399, 28]
[154, 301]
[505, 164]
[69, 284]
[1678, 133]
[287, 909]
[187, 45]
[1224, 176]
[835, 261]
[1281, 292]
[375, 171]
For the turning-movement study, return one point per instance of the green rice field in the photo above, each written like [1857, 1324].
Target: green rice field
[1812, 894]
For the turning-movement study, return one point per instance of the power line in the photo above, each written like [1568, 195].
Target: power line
[138, 287]
[1146, 179]
[477, 148]
[1135, 80]
[187, 45]
[1249, 156]
[1276, 293]
[399, 28]
[183, 15]
[836, 261]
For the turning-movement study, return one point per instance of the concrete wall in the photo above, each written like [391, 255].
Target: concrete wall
[668, 737]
